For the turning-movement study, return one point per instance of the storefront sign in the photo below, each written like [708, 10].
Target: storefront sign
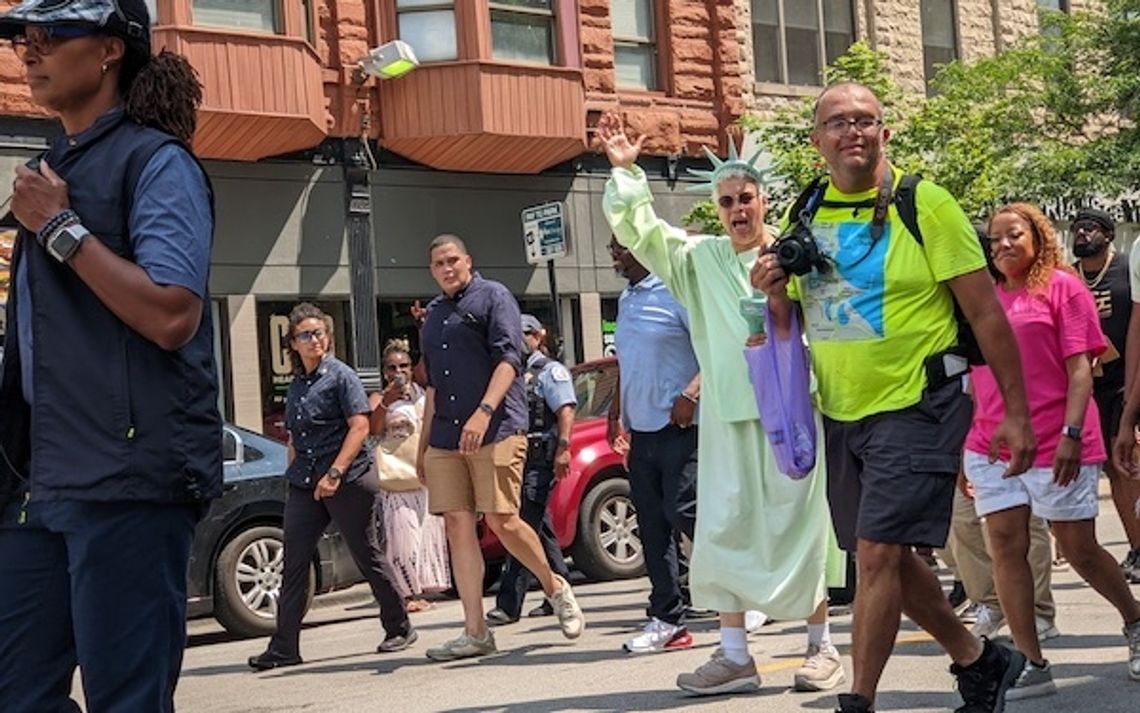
[544, 232]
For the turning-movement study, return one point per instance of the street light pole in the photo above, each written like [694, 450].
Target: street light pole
[361, 263]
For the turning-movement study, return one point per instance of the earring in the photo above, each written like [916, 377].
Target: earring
[104, 68]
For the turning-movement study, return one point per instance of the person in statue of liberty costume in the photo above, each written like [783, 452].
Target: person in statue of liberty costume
[763, 540]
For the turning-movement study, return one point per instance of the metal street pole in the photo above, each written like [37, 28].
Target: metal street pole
[558, 341]
[362, 264]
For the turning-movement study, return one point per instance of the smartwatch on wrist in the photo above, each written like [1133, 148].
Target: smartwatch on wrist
[334, 474]
[1073, 432]
[64, 241]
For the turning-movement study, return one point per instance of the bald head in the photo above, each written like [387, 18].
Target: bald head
[844, 91]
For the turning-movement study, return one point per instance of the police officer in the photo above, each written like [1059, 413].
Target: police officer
[550, 404]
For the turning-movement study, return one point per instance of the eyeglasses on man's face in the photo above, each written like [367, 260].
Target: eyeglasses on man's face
[309, 335]
[43, 40]
[838, 126]
[730, 201]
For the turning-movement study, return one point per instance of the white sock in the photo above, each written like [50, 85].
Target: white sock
[820, 635]
[734, 642]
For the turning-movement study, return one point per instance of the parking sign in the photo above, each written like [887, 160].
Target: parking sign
[544, 232]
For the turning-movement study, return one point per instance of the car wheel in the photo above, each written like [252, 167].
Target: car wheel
[609, 542]
[247, 581]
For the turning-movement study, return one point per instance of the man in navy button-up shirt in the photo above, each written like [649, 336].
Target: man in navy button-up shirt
[474, 443]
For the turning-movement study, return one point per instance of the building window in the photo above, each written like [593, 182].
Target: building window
[429, 27]
[1058, 5]
[635, 43]
[792, 46]
[939, 36]
[522, 30]
[249, 15]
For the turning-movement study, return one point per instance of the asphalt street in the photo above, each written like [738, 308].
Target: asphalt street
[537, 671]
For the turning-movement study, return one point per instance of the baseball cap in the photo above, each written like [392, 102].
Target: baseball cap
[1097, 216]
[127, 19]
[530, 324]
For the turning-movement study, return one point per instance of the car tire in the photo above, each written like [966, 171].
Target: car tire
[608, 545]
[247, 581]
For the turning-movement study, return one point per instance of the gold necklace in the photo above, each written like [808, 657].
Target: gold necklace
[1103, 270]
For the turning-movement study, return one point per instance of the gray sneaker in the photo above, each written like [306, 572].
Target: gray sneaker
[463, 647]
[990, 621]
[822, 669]
[566, 607]
[721, 675]
[1032, 682]
[1132, 632]
[1046, 629]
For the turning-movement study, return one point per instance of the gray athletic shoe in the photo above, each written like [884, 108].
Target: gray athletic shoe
[570, 618]
[1132, 632]
[721, 675]
[463, 647]
[1032, 682]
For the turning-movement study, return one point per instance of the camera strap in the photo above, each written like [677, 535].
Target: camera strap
[812, 200]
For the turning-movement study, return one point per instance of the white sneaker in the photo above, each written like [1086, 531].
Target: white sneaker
[565, 606]
[1132, 633]
[754, 620]
[990, 622]
[822, 669]
[659, 636]
[1046, 629]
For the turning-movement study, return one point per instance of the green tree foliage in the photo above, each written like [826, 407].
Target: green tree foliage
[1050, 118]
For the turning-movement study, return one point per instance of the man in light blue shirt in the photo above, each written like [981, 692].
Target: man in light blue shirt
[657, 405]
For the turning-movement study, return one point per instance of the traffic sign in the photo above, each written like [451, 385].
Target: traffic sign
[544, 232]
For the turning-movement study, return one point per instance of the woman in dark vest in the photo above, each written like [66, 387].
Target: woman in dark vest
[108, 420]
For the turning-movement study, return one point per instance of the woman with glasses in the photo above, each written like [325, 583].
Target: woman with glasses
[763, 541]
[1055, 321]
[417, 542]
[330, 478]
[110, 427]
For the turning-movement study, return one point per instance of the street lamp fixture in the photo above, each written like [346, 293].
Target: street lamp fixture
[388, 61]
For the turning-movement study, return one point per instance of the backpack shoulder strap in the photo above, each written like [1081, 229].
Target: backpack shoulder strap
[906, 202]
[808, 199]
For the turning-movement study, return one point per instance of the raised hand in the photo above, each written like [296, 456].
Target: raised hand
[621, 152]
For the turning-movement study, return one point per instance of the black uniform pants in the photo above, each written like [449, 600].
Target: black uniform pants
[663, 487]
[357, 513]
[538, 483]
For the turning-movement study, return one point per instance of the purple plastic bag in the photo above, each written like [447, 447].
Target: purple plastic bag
[780, 378]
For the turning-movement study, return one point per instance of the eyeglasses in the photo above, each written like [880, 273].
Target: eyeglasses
[309, 335]
[730, 201]
[1085, 226]
[44, 40]
[840, 124]
[398, 365]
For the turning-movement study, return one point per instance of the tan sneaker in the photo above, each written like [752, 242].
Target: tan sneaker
[822, 669]
[463, 647]
[566, 607]
[721, 675]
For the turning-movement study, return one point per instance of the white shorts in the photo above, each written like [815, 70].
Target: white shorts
[1035, 488]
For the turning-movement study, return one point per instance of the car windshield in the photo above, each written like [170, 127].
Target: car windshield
[595, 390]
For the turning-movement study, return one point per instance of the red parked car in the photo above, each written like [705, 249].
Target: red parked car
[593, 516]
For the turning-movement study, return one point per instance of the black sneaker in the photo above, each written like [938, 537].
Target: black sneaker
[983, 683]
[1130, 561]
[397, 642]
[498, 617]
[271, 659]
[854, 703]
[957, 597]
[543, 609]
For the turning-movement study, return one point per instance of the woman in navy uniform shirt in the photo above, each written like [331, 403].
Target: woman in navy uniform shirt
[330, 478]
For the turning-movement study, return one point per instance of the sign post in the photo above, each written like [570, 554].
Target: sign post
[544, 235]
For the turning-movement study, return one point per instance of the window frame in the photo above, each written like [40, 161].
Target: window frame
[660, 84]
[782, 37]
[555, 57]
[279, 16]
[1062, 6]
[957, 41]
[446, 5]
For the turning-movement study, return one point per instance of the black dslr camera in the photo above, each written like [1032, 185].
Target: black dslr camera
[797, 251]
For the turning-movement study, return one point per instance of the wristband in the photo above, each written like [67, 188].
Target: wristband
[63, 218]
[689, 396]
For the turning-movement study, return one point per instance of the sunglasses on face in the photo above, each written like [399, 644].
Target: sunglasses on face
[841, 124]
[309, 335]
[44, 40]
[730, 201]
[1085, 226]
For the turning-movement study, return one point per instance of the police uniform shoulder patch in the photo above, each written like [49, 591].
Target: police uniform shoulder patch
[559, 373]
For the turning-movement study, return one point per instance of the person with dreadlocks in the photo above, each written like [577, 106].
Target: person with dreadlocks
[109, 428]
[763, 541]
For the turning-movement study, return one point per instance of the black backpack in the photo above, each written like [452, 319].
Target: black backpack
[904, 198]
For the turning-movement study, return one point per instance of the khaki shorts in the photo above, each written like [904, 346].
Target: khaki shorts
[489, 481]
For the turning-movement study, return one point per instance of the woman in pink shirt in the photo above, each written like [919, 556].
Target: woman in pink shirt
[1058, 332]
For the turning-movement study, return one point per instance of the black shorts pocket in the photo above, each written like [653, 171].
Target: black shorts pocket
[934, 463]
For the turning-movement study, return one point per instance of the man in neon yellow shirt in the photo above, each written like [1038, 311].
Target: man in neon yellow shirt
[879, 312]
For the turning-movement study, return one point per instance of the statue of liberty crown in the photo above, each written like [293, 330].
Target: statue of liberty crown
[720, 168]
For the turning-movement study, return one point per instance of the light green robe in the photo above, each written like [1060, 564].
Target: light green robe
[763, 540]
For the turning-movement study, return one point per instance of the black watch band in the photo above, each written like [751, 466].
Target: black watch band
[334, 473]
[487, 408]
